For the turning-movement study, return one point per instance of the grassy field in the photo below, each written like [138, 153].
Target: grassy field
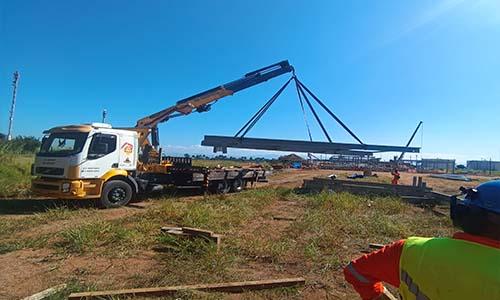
[122, 248]
[92, 249]
[15, 174]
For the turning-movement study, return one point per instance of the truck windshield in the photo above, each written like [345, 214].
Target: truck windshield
[63, 144]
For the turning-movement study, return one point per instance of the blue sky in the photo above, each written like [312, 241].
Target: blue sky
[381, 66]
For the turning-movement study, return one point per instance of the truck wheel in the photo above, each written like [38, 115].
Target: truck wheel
[237, 185]
[115, 193]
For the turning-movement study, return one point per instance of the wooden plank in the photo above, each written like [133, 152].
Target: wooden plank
[440, 196]
[376, 246]
[197, 231]
[168, 228]
[46, 293]
[386, 295]
[284, 218]
[440, 213]
[229, 287]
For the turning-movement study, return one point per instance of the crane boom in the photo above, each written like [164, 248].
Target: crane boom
[200, 102]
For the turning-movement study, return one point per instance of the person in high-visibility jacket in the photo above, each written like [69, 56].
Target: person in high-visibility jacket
[465, 266]
[395, 176]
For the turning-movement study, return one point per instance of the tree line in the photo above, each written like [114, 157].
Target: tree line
[20, 145]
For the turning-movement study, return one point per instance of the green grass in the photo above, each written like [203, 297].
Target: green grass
[15, 174]
[10, 228]
[89, 236]
[335, 225]
[333, 222]
[329, 230]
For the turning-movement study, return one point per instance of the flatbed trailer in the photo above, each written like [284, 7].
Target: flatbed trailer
[183, 175]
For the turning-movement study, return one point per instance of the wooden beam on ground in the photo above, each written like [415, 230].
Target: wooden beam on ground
[386, 295]
[193, 233]
[46, 293]
[229, 287]
[197, 231]
[284, 218]
[440, 213]
[376, 246]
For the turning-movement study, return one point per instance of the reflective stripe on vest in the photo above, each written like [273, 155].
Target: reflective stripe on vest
[355, 273]
[412, 286]
[446, 268]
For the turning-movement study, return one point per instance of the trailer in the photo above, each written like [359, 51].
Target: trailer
[183, 175]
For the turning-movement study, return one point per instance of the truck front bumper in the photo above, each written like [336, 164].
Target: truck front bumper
[67, 188]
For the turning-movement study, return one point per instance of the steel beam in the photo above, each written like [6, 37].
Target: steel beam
[221, 143]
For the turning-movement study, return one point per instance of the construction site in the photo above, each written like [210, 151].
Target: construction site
[106, 210]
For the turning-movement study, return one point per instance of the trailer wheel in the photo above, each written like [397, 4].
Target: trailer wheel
[115, 193]
[221, 187]
[237, 185]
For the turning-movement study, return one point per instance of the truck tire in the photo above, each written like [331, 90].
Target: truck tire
[237, 185]
[115, 193]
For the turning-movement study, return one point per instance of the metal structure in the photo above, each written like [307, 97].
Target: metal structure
[13, 105]
[221, 143]
[410, 140]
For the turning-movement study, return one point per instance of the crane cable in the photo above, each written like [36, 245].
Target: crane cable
[301, 91]
[256, 117]
[303, 111]
[313, 111]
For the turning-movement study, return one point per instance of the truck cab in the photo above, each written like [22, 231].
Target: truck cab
[87, 161]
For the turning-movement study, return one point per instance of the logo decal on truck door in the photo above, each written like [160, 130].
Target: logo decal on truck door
[128, 149]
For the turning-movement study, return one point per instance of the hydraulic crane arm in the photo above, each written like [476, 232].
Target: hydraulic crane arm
[201, 102]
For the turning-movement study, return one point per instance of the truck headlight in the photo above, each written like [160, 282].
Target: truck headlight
[65, 187]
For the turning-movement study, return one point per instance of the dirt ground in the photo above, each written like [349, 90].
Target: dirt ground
[31, 269]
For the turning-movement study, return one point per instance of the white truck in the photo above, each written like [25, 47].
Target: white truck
[113, 165]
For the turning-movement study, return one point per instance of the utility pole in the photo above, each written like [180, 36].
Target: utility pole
[13, 105]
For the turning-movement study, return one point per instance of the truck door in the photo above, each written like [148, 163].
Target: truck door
[102, 155]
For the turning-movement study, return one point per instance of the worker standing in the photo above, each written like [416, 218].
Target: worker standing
[395, 176]
[466, 266]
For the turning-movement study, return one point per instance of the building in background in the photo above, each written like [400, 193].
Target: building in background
[436, 165]
[483, 165]
[291, 161]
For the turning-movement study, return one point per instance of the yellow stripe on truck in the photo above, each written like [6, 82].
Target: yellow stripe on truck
[113, 173]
